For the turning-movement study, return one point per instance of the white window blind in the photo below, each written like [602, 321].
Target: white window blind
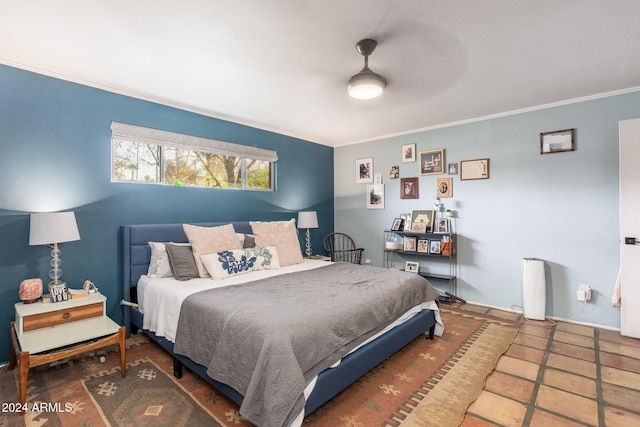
[151, 136]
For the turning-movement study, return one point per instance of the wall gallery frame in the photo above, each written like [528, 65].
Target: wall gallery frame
[557, 141]
[409, 188]
[444, 187]
[432, 162]
[375, 196]
[364, 170]
[408, 153]
[422, 220]
[474, 169]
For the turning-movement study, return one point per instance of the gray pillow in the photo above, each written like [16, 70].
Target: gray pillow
[183, 265]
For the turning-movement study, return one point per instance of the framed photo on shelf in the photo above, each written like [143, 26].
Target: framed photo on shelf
[442, 225]
[375, 196]
[422, 220]
[423, 246]
[434, 247]
[397, 225]
[409, 188]
[409, 244]
[364, 170]
[444, 187]
[408, 153]
[474, 169]
[432, 162]
[411, 266]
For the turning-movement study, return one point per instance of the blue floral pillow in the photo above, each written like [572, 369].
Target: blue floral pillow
[234, 262]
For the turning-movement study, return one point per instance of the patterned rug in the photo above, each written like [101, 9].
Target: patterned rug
[427, 383]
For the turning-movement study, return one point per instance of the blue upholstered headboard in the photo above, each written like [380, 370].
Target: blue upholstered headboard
[136, 252]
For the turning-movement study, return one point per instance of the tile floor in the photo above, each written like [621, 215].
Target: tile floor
[560, 374]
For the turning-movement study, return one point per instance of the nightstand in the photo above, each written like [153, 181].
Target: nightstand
[44, 332]
[320, 257]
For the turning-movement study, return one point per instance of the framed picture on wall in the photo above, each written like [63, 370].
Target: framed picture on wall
[474, 169]
[432, 162]
[408, 153]
[364, 170]
[375, 196]
[444, 187]
[408, 188]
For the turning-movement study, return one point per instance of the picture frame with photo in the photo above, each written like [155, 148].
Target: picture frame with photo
[375, 196]
[474, 169]
[432, 162]
[398, 224]
[409, 244]
[408, 153]
[422, 220]
[364, 170]
[412, 267]
[452, 169]
[409, 188]
[434, 247]
[444, 187]
[423, 246]
[394, 172]
[442, 225]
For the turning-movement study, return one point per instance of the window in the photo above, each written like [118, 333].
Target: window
[154, 156]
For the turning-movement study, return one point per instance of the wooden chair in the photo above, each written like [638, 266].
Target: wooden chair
[341, 248]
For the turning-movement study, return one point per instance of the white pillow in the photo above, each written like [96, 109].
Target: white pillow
[234, 262]
[159, 264]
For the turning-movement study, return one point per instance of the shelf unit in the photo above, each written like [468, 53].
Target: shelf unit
[446, 265]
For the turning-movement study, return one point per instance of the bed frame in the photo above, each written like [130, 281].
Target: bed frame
[136, 255]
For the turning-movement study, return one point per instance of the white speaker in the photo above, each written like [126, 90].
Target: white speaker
[533, 288]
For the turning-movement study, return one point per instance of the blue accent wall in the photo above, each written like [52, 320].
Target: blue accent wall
[56, 155]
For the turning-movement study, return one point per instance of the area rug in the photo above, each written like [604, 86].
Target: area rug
[427, 383]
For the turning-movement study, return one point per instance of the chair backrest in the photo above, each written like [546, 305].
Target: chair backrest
[341, 247]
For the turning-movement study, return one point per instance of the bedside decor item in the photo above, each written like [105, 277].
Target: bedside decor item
[366, 84]
[59, 292]
[30, 290]
[408, 153]
[444, 187]
[409, 188]
[474, 169]
[50, 229]
[557, 141]
[432, 162]
[308, 220]
[364, 170]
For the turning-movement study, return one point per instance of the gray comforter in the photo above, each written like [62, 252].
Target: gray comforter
[267, 339]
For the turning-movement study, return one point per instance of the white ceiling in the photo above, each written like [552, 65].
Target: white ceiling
[283, 65]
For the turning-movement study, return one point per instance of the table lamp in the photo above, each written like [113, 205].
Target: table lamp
[50, 229]
[308, 220]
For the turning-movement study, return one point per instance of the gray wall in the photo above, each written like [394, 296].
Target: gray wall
[562, 207]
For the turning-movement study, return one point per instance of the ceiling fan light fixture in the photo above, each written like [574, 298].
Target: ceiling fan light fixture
[366, 84]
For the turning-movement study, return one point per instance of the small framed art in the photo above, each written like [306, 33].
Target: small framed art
[452, 169]
[364, 170]
[412, 267]
[434, 247]
[432, 162]
[444, 187]
[397, 225]
[394, 172]
[422, 220]
[423, 246]
[408, 153]
[408, 188]
[557, 141]
[442, 225]
[375, 196]
[474, 169]
[409, 244]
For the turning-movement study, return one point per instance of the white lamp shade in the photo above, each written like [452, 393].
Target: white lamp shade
[307, 219]
[53, 227]
[366, 85]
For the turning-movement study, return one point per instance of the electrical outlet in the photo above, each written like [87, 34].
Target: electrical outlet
[584, 293]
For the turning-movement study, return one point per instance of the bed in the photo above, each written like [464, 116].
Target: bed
[363, 354]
